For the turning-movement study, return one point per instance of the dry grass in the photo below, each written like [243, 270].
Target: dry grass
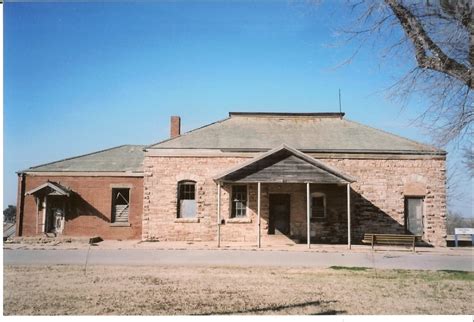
[170, 290]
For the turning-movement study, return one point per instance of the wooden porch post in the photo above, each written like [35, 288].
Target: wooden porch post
[37, 200]
[308, 215]
[218, 214]
[349, 215]
[63, 219]
[45, 205]
[258, 215]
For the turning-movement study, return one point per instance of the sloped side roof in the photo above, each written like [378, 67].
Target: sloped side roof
[284, 164]
[124, 158]
[306, 132]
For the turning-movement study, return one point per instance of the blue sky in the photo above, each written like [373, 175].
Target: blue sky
[80, 77]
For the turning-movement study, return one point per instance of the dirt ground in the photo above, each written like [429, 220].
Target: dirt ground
[173, 290]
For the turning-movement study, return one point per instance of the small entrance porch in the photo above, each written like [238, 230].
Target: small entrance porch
[292, 194]
[51, 202]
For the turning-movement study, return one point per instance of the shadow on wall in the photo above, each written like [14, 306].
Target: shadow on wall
[78, 206]
[366, 217]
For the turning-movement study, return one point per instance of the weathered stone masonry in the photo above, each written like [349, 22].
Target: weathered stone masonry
[377, 199]
[282, 151]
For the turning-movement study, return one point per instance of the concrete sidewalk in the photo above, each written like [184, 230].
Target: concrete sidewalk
[379, 260]
[82, 243]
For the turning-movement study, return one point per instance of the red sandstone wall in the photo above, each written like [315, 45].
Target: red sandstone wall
[90, 214]
[377, 199]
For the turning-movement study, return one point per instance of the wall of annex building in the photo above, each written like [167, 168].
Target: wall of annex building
[89, 209]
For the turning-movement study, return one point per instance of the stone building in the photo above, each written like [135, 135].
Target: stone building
[250, 178]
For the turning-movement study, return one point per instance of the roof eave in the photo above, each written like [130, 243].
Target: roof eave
[340, 151]
[85, 173]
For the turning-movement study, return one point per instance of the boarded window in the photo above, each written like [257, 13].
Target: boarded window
[186, 199]
[414, 215]
[239, 201]
[120, 204]
[318, 205]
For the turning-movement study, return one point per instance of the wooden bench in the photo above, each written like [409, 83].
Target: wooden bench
[463, 232]
[391, 239]
[460, 238]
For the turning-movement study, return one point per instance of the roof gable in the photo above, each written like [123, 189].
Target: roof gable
[284, 164]
[51, 189]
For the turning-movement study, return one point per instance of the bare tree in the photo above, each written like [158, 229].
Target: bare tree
[455, 220]
[437, 36]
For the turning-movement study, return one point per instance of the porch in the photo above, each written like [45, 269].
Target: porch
[51, 200]
[291, 195]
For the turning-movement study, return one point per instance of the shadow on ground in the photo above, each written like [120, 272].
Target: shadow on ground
[277, 308]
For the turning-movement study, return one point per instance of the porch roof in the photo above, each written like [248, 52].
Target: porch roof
[284, 164]
[51, 189]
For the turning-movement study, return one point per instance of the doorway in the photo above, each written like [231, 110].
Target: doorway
[279, 214]
[55, 214]
[414, 215]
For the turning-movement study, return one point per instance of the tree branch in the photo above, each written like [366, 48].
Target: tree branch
[424, 45]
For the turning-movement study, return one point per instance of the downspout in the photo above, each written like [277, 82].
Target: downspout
[20, 204]
[348, 215]
[218, 214]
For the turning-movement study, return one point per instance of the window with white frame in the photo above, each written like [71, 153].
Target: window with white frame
[318, 205]
[239, 201]
[187, 199]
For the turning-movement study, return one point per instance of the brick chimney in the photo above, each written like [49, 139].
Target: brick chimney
[175, 126]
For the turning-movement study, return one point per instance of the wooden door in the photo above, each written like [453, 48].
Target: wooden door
[279, 214]
[414, 216]
[56, 215]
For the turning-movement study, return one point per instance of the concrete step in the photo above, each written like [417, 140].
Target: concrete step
[278, 239]
[9, 230]
[46, 240]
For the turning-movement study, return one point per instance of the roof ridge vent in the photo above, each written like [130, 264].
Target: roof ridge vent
[283, 114]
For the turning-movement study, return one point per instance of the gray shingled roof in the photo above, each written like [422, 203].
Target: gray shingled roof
[303, 131]
[124, 158]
